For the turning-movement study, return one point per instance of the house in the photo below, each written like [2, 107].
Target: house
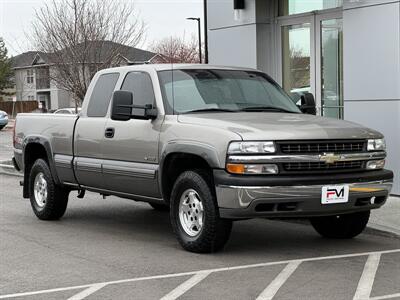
[33, 70]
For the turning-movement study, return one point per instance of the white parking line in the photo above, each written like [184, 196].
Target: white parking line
[82, 295]
[385, 297]
[172, 275]
[366, 282]
[184, 287]
[279, 280]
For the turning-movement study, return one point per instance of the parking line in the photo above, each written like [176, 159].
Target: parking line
[385, 297]
[82, 295]
[279, 280]
[172, 275]
[366, 282]
[187, 285]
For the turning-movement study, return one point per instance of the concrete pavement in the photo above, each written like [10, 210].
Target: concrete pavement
[119, 249]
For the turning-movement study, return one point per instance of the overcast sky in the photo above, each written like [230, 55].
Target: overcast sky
[162, 17]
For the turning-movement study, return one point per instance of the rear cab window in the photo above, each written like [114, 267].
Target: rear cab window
[101, 95]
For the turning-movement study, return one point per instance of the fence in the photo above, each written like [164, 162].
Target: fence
[13, 108]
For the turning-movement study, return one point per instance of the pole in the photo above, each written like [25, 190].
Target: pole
[199, 28]
[205, 32]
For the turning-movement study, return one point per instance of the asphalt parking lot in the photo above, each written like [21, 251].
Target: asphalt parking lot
[119, 249]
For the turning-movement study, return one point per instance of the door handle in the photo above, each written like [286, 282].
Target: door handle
[109, 133]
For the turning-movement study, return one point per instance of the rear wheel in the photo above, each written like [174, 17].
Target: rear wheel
[2, 126]
[341, 226]
[195, 216]
[48, 200]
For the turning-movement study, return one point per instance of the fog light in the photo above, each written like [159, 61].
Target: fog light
[256, 169]
[375, 164]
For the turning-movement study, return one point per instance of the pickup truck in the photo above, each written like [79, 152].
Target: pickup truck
[210, 144]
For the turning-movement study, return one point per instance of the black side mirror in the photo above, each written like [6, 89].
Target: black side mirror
[123, 108]
[308, 105]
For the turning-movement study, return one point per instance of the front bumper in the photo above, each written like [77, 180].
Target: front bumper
[241, 197]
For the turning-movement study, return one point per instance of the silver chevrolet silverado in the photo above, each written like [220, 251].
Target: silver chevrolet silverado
[211, 145]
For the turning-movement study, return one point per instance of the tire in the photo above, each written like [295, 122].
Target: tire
[48, 200]
[344, 226]
[159, 207]
[1, 127]
[193, 199]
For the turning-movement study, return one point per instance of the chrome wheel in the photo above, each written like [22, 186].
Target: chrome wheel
[191, 212]
[40, 190]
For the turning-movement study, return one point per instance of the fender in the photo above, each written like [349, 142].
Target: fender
[206, 151]
[43, 141]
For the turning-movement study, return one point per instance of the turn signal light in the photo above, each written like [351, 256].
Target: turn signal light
[252, 169]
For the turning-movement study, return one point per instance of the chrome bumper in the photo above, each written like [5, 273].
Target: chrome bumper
[300, 200]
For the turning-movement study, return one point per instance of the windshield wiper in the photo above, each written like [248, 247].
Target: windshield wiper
[210, 110]
[267, 108]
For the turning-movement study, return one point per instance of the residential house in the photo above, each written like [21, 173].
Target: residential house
[33, 70]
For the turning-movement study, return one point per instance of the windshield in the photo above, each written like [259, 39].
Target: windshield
[193, 90]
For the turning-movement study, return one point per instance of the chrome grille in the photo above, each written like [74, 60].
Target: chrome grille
[322, 147]
[321, 166]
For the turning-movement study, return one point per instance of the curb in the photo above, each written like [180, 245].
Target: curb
[7, 168]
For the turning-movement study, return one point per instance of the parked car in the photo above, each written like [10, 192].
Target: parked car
[68, 111]
[3, 119]
[211, 144]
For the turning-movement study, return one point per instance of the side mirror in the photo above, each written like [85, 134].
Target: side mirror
[308, 104]
[123, 108]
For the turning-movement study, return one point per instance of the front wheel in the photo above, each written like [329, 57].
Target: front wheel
[344, 226]
[48, 200]
[195, 216]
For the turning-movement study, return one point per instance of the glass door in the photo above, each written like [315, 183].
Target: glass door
[329, 64]
[297, 56]
[310, 49]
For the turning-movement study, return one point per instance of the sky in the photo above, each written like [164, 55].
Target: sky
[163, 18]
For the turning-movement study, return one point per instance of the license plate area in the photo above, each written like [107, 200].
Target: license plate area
[332, 194]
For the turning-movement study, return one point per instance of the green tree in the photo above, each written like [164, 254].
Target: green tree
[6, 72]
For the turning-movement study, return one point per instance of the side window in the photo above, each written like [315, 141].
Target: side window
[101, 95]
[140, 85]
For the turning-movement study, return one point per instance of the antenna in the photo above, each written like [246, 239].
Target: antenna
[173, 89]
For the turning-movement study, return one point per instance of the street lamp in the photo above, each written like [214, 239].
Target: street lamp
[199, 29]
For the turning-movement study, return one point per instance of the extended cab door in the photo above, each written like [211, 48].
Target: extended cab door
[131, 151]
[89, 133]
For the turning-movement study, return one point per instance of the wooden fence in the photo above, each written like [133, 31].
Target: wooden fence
[13, 108]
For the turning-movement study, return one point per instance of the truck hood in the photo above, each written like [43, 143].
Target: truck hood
[281, 126]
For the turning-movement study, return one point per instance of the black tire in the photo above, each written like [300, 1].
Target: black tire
[344, 226]
[159, 206]
[56, 201]
[1, 127]
[215, 231]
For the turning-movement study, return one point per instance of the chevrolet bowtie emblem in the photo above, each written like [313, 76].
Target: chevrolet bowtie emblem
[329, 158]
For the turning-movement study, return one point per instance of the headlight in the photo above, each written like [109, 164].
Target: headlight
[251, 147]
[375, 164]
[252, 169]
[376, 144]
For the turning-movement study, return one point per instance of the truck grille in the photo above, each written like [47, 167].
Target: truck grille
[322, 166]
[305, 147]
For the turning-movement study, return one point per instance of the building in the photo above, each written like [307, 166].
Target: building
[345, 52]
[33, 69]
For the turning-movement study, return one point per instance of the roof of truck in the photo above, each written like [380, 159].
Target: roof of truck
[163, 67]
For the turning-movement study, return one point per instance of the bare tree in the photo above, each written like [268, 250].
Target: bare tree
[177, 50]
[81, 37]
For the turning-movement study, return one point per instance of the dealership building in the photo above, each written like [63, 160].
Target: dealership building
[345, 52]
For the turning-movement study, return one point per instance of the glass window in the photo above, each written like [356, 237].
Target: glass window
[140, 85]
[29, 76]
[331, 68]
[192, 90]
[291, 7]
[101, 95]
[296, 54]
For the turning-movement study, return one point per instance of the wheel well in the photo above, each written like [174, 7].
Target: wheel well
[175, 164]
[32, 152]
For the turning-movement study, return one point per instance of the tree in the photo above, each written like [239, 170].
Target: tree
[6, 72]
[177, 50]
[81, 37]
